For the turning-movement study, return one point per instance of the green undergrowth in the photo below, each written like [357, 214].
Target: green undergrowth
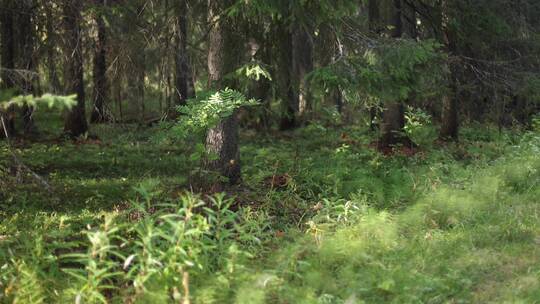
[319, 218]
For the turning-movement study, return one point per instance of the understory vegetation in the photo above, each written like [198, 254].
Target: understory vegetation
[338, 223]
[269, 151]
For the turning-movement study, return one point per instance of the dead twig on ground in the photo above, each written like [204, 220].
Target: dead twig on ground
[20, 164]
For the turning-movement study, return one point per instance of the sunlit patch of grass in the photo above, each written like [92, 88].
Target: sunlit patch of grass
[459, 242]
[514, 281]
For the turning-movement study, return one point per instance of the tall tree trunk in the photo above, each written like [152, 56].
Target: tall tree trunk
[302, 44]
[54, 82]
[259, 51]
[285, 87]
[449, 120]
[409, 16]
[450, 125]
[135, 78]
[183, 90]
[75, 121]
[141, 75]
[375, 28]
[8, 63]
[397, 19]
[298, 45]
[330, 50]
[119, 97]
[374, 17]
[101, 88]
[26, 60]
[523, 12]
[222, 140]
[135, 66]
[393, 120]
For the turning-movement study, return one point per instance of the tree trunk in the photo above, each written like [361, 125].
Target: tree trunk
[8, 63]
[183, 90]
[449, 120]
[410, 27]
[449, 127]
[392, 128]
[397, 19]
[221, 140]
[135, 79]
[75, 121]
[374, 17]
[375, 28]
[302, 44]
[285, 88]
[259, 51]
[101, 89]
[26, 60]
[54, 81]
[134, 68]
[297, 44]
[141, 74]
[119, 96]
[329, 48]
[523, 8]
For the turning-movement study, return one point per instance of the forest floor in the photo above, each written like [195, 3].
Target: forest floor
[323, 219]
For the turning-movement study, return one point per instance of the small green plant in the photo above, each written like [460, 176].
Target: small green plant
[415, 119]
[198, 116]
[99, 270]
[417, 123]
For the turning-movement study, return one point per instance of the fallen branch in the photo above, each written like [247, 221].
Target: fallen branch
[20, 164]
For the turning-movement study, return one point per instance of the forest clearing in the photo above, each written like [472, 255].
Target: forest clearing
[269, 151]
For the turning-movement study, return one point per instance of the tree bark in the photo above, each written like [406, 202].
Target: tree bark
[449, 127]
[8, 63]
[221, 140]
[393, 122]
[375, 28]
[101, 88]
[75, 120]
[183, 90]
[285, 87]
[374, 17]
[302, 65]
[134, 69]
[258, 51]
[449, 117]
[141, 75]
[26, 60]
[392, 125]
[330, 50]
[54, 82]
[397, 19]
[410, 28]
[295, 59]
